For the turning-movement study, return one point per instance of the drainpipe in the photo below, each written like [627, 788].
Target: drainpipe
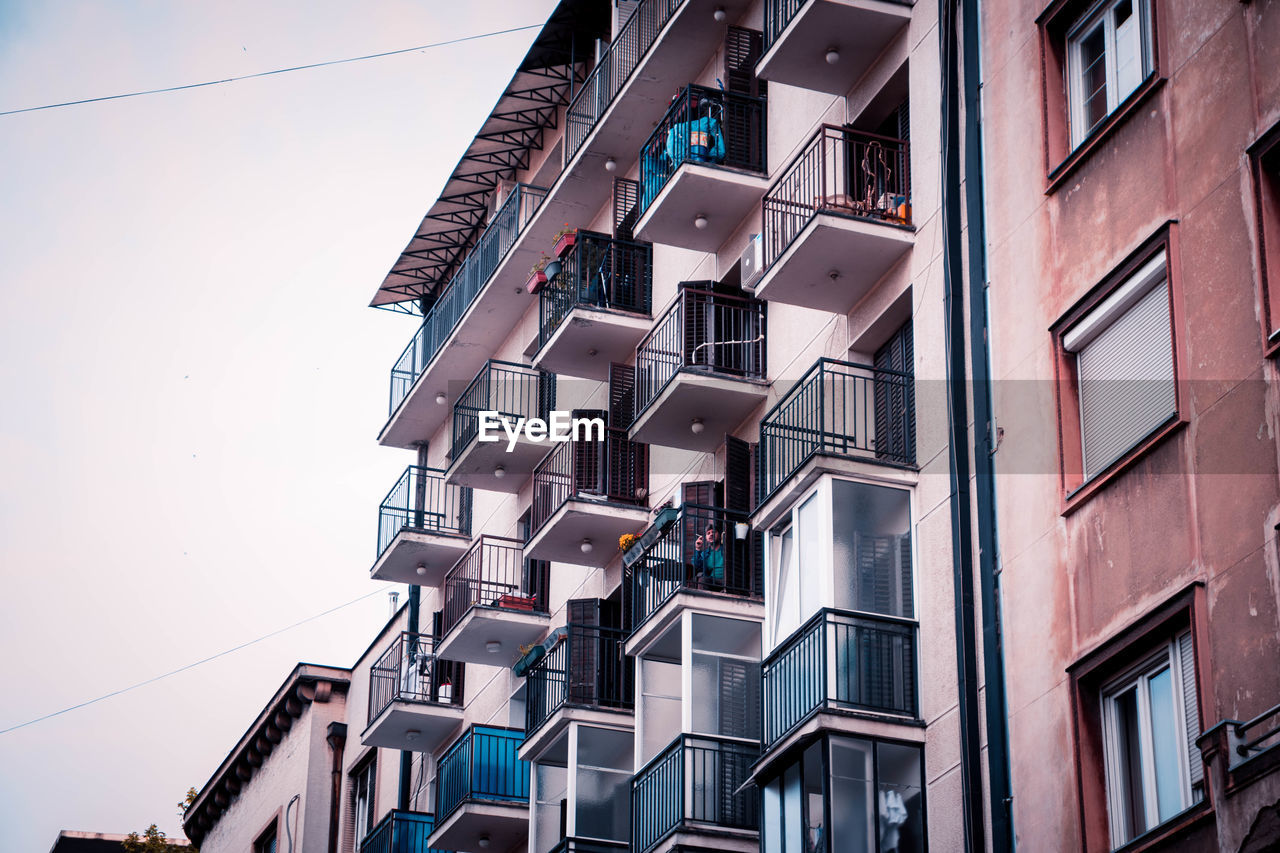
[958, 449]
[985, 442]
[337, 740]
[415, 593]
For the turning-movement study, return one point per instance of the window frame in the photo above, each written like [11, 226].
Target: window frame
[365, 770]
[268, 833]
[1101, 14]
[1266, 195]
[1075, 486]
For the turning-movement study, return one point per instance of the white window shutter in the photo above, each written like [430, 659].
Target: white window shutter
[1191, 708]
[1126, 380]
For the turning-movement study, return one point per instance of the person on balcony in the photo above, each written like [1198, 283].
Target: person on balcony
[708, 558]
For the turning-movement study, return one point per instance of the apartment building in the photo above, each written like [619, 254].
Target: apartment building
[729, 618]
[1132, 215]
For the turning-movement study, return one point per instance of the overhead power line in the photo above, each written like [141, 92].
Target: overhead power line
[269, 73]
[192, 665]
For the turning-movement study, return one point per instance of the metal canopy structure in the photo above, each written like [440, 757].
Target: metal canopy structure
[545, 81]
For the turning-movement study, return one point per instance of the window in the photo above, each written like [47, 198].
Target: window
[1150, 722]
[363, 782]
[847, 795]
[1265, 159]
[1109, 54]
[1124, 366]
[266, 842]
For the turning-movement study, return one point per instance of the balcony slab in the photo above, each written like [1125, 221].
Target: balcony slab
[859, 251]
[478, 461]
[692, 836]
[721, 402]
[550, 735]
[603, 522]
[435, 724]
[505, 824]
[412, 547]
[853, 723]
[611, 335]
[725, 196]
[769, 513]
[860, 29]
[654, 629]
[484, 623]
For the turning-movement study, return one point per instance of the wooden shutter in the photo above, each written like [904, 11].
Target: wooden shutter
[588, 457]
[895, 437]
[737, 474]
[742, 49]
[584, 653]
[1191, 707]
[622, 395]
[1126, 380]
[626, 195]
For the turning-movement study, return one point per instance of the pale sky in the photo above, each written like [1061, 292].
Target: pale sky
[191, 385]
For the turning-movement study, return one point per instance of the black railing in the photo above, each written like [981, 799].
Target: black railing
[1257, 735]
[614, 68]
[699, 780]
[704, 331]
[512, 390]
[409, 671]
[681, 559]
[841, 408]
[422, 500]
[400, 832]
[841, 172]
[704, 126]
[860, 662]
[587, 669]
[492, 574]
[599, 272]
[616, 469]
[481, 765]
[474, 273]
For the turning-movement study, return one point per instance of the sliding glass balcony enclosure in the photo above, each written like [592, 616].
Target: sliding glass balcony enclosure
[581, 792]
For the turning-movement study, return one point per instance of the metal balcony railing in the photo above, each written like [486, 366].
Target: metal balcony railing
[841, 172]
[704, 331]
[400, 832]
[422, 500]
[851, 661]
[613, 70]
[1256, 736]
[409, 671]
[587, 669]
[675, 562]
[616, 469]
[492, 574]
[599, 272]
[700, 780]
[474, 273]
[841, 408]
[481, 765]
[705, 126]
[512, 390]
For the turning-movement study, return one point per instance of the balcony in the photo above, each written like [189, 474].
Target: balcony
[424, 526]
[415, 698]
[629, 89]
[672, 573]
[798, 34]
[400, 832]
[514, 392]
[836, 220]
[840, 661]
[588, 492]
[459, 330]
[704, 162]
[700, 371]
[597, 309]
[493, 603]
[697, 786]
[586, 677]
[837, 417]
[482, 792]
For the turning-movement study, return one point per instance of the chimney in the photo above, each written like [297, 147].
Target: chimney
[394, 597]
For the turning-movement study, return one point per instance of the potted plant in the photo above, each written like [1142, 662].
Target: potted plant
[538, 275]
[626, 541]
[565, 239]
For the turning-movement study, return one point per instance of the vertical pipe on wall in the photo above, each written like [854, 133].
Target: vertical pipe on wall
[405, 800]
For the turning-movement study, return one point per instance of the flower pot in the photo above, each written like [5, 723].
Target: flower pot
[537, 281]
[565, 244]
[741, 529]
[552, 269]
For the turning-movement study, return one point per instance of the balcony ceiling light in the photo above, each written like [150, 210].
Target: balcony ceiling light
[499, 472]
[483, 841]
[610, 165]
[441, 399]
[719, 14]
[422, 569]
[586, 546]
[412, 734]
[696, 426]
[700, 222]
[493, 646]
[833, 55]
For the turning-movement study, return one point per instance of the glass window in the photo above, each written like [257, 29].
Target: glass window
[872, 540]
[1109, 54]
[363, 783]
[660, 704]
[551, 786]
[603, 784]
[266, 842]
[1151, 721]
